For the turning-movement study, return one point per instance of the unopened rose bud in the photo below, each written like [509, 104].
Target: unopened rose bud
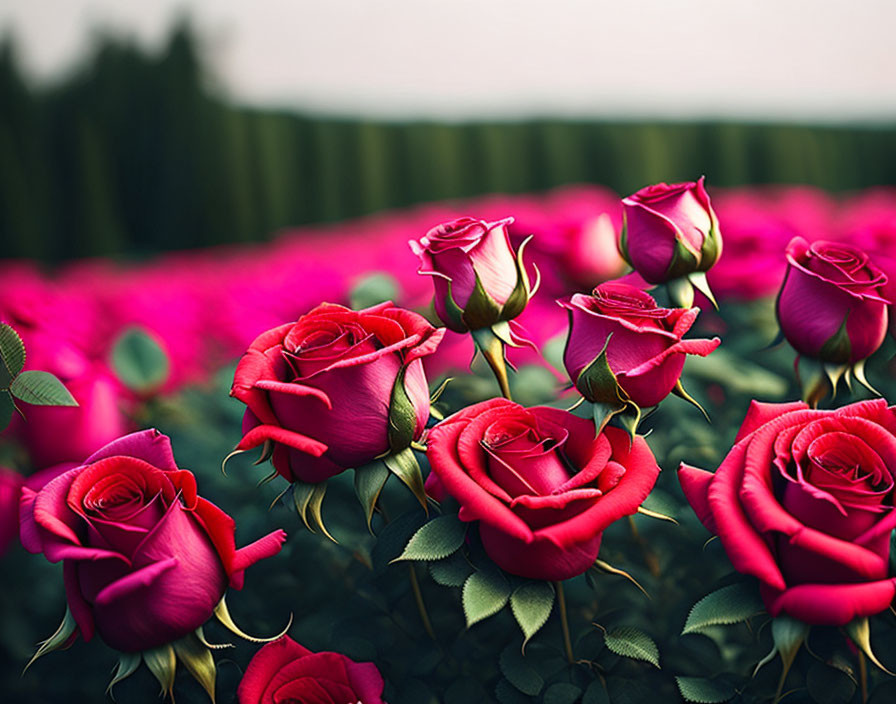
[478, 279]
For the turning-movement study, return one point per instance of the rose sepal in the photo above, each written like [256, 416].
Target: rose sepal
[308, 499]
[859, 632]
[405, 466]
[826, 377]
[609, 401]
[193, 651]
[491, 343]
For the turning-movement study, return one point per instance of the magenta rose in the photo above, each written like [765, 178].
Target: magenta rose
[145, 559]
[642, 344]
[541, 484]
[284, 672]
[477, 278]
[804, 502]
[831, 305]
[669, 231]
[336, 389]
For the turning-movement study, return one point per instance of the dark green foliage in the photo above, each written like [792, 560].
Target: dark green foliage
[138, 152]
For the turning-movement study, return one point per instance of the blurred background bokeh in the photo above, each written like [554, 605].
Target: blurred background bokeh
[131, 128]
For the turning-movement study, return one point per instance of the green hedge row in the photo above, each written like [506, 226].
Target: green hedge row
[138, 152]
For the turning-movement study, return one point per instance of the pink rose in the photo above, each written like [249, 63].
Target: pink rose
[475, 272]
[283, 672]
[642, 344]
[541, 484]
[804, 502]
[831, 305]
[669, 231]
[336, 389]
[145, 560]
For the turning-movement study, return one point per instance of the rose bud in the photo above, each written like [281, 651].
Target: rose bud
[622, 348]
[669, 232]
[146, 561]
[478, 279]
[804, 502]
[336, 389]
[542, 484]
[284, 671]
[831, 305]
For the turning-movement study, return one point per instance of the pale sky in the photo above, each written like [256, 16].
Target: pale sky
[818, 60]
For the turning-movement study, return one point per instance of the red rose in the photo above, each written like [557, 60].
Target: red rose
[145, 560]
[283, 672]
[832, 304]
[323, 389]
[540, 483]
[643, 343]
[669, 231]
[804, 502]
[477, 278]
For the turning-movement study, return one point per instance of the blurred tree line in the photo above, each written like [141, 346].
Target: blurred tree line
[138, 152]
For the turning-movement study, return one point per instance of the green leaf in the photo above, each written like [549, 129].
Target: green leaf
[7, 408]
[373, 289]
[531, 604]
[393, 537]
[41, 389]
[596, 694]
[404, 465]
[451, 571]
[519, 672]
[199, 662]
[12, 355]
[436, 539]
[562, 693]
[369, 482]
[506, 693]
[731, 604]
[633, 643]
[139, 361]
[829, 685]
[162, 663]
[704, 691]
[485, 594]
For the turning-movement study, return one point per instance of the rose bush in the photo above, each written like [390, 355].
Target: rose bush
[283, 672]
[804, 502]
[541, 484]
[336, 389]
[669, 231]
[145, 559]
[832, 305]
[477, 278]
[643, 343]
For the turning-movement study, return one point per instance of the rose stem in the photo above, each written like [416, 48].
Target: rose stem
[564, 622]
[421, 607]
[649, 558]
[863, 676]
[492, 349]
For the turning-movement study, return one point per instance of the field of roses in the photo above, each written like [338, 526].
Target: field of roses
[558, 448]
